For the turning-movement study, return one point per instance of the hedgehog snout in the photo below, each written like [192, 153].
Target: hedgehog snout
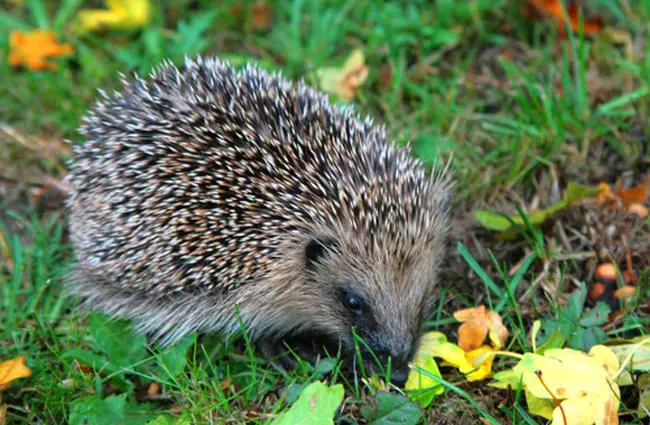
[399, 362]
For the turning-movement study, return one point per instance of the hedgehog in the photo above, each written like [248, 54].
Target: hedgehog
[207, 198]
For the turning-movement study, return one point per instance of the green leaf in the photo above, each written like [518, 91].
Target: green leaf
[596, 316]
[116, 339]
[493, 220]
[577, 192]
[97, 411]
[95, 361]
[166, 419]
[99, 363]
[573, 309]
[393, 409]
[556, 339]
[504, 379]
[316, 405]
[173, 359]
[588, 337]
[430, 147]
[640, 360]
[424, 389]
[539, 406]
[292, 392]
[499, 222]
[580, 329]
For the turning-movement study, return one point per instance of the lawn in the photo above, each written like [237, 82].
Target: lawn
[527, 112]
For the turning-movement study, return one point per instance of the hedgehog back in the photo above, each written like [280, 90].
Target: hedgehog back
[191, 179]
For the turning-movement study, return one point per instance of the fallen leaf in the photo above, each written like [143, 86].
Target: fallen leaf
[631, 199]
[539, 406]
[120, 15]
[559, 375]
[477, 323]
[11, 370]
[634, 194]
[619, 36]
[31, 49]
[496, 221]
[344, 82]
[476, 364]
[424, 389]
[634, 354]
[153, 389]
[316, 405]
[553, 9]
[392, 409]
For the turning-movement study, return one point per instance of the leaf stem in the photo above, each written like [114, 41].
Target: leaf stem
[555, 400]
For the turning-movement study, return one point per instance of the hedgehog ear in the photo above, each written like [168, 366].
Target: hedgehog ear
[316, 249]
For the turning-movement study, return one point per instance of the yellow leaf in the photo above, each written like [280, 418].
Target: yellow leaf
[121, 15]
[561, 374]
[11, 370]
[475, 364]
[481, 361]
[31, 49]
[588, 411]
[344, 82]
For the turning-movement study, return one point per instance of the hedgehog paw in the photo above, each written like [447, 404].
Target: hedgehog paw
[288, 353]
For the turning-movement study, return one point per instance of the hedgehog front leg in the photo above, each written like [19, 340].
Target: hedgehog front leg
[305, 347]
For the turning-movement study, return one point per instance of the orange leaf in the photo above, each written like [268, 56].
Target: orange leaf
[11, 370]
[471, 335]
[638, 194]
[631, 199]
[478, 322]
[31, 49]
[553, 10]
[262, 15]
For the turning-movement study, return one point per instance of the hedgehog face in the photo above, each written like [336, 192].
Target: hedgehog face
[383, 301]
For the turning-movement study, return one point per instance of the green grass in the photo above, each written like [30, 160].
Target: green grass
[521, 113]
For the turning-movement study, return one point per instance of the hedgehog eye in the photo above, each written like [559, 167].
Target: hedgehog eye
[353, 303]
[315, 249]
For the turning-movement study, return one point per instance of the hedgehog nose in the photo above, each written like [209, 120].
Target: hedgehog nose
[398, 377]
